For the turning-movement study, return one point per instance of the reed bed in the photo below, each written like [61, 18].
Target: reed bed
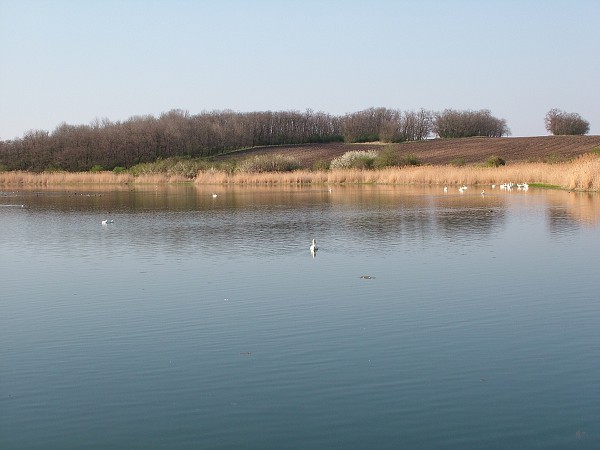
[62, 178]
[582, 173]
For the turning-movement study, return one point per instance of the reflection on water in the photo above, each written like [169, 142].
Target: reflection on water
[426, 320]
[191, 215]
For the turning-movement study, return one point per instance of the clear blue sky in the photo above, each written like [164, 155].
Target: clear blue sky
[74, 61]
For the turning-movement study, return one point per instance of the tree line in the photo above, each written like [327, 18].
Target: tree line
[142, 139]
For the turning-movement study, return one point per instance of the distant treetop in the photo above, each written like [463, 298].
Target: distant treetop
[560, 122]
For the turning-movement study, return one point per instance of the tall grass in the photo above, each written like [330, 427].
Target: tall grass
[61, 178]
[582, 173]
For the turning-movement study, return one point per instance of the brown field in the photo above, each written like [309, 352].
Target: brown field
[446, 151]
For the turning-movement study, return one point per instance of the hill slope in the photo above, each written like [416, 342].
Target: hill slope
[445, 151]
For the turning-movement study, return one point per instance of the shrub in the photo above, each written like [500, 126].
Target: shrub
[458, 162]
[494, 161]
[320, 165]
[119, 169]
[411, 160]
[553, 158]
[360, 159]
[268, 163]
[388, 157]
[96, 168]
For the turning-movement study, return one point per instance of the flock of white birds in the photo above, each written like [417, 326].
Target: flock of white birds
[504, 186]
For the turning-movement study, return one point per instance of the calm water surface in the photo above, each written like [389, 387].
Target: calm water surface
[426, 320]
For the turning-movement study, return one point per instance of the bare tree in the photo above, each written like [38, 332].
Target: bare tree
[457, 124]
[560, 122]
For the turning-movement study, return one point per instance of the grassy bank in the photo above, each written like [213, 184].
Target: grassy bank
[582, 173]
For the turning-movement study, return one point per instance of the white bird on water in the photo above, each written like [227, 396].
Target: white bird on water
[214, 195]
[445, 188]
[313, 246]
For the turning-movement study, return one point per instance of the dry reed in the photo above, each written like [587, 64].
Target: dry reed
[582, 173]
[62, 178]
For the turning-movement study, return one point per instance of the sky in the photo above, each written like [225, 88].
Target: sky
[78, 61]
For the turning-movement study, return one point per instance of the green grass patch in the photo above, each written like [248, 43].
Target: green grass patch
[545, 186]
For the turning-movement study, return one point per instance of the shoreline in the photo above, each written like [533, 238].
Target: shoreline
[581, 174]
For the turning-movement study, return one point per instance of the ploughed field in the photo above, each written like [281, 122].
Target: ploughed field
[445, 151]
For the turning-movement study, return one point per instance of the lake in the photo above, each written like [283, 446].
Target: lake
[424, 320]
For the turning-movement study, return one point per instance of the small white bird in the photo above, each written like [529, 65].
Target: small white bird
[483, 192]
[214, 195]
[445, 188]
[313, 246]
